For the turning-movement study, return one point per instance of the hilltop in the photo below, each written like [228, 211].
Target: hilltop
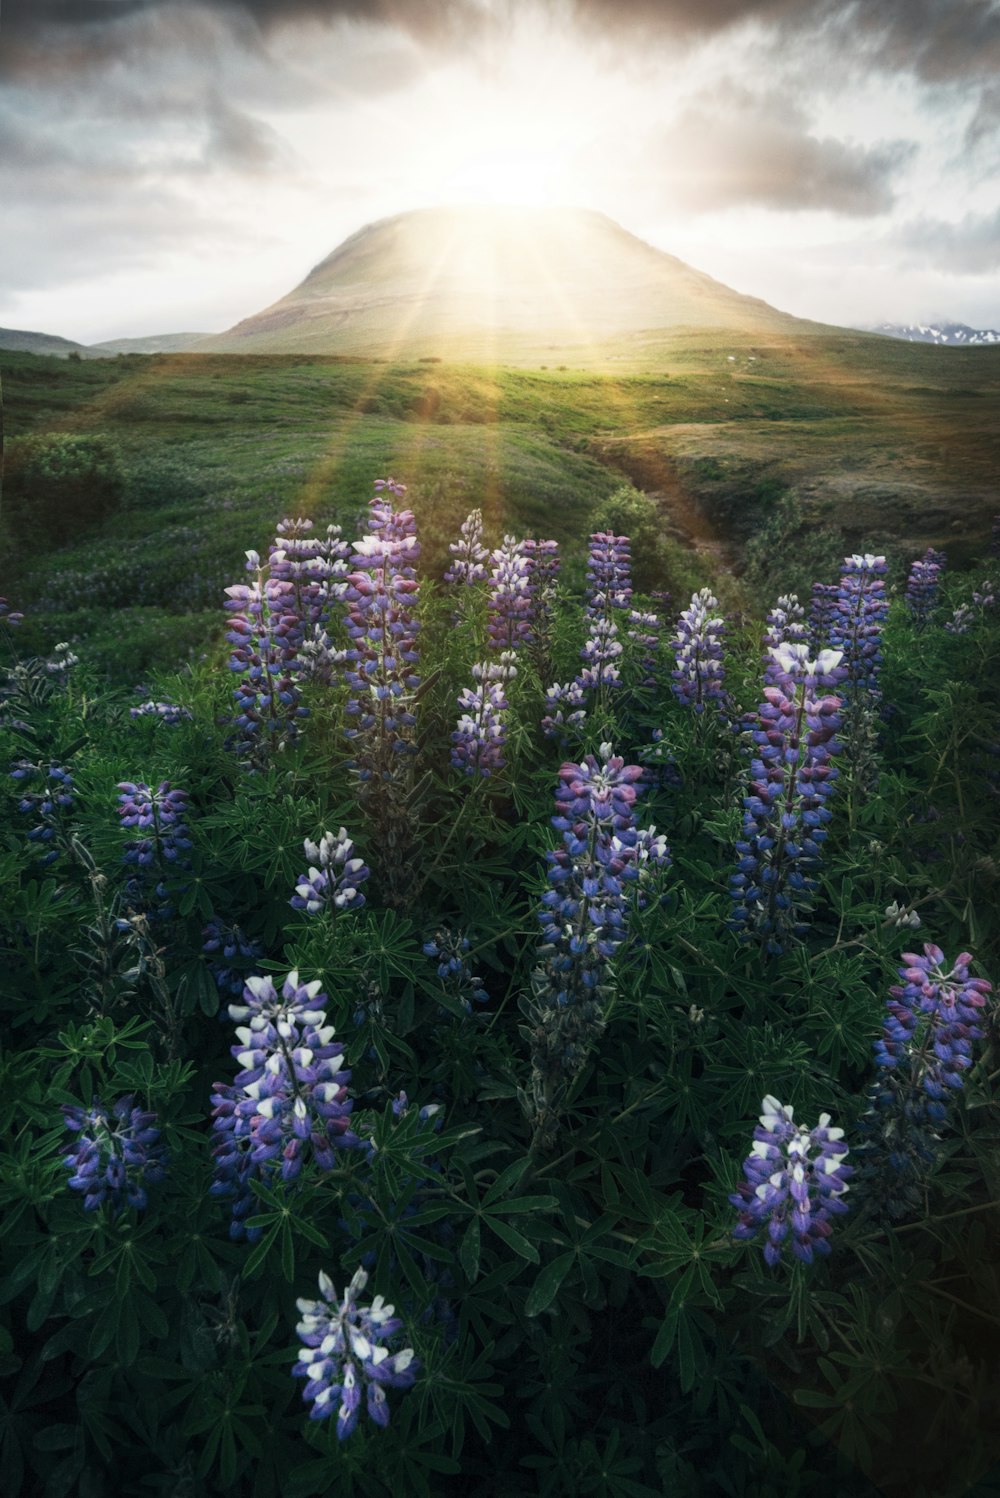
[498, 285]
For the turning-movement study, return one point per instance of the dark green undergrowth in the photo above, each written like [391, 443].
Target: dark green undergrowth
[584, 1320]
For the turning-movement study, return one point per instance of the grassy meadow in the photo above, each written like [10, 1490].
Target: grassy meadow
[882, 443]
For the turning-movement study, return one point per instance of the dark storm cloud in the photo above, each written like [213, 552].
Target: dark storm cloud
[26, 22]
[938, 40]
[969, 248]
[736, 149]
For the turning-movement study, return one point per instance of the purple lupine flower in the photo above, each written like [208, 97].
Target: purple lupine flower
[170, 713]
[317, 568]
[922, 590]
[544, 566]
[450, 948]
[160, 818]
[117, 1152]
[266, 634]
[969, 614]
[511, 599]
[785, 625]
[234, 947]
[698, 678]
[795, 1182]
[289, 1098]
[333, 878]
[791, 779]
[381, 594]
[469, 552]
[938, 558]
[645, 631]
[859, 612]
[609, 592]
[9, 616]
[49, 802]
[566, 712]
[932, 1018]
[824, 602]
[344, 1355]
[479, 741]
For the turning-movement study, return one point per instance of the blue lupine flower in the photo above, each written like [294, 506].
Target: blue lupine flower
[469, 552]
[170, 713]
[932, 1018]
[511, 596]
[479, 740]
[316, 567]
[566, 712]
[824, 603]
[235, 947]
[266, 634]
[48, 804]
[8, 615]
[859, 612]
[791, 779]
[117, 1153]
[160, 817]
[344, 1355]
[699, 675]
[333, 877]
[785, 625]
[288, 1100]
[449, 948]
[795, 1181]
[609, 591]
[922, 589]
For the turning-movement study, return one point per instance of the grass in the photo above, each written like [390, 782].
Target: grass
[891, 443]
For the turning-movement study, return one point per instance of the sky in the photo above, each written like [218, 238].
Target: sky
[168, 166]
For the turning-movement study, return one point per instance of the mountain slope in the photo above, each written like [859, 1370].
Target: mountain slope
[20, 341]
[500, 284]
[957, 334]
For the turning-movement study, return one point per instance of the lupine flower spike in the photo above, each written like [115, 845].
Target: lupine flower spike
[699, 674]
[479, 740]
[117, 1153]
[344, 1356]
[795, 1182]
[332, 880]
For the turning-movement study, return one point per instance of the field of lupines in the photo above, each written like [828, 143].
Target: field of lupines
[490, 1041]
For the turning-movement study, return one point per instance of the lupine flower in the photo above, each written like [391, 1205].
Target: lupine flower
[559, 723]
[932, 1018]
[170, 713]
[795, 1181]
[289, 1098]
[160, 817]
[821, 612]
[645, 631]
[785, 811]
[544, 564]
[317, 568]
[266, 634]
[9, 616]
[469, 552]
[333, 877]
[344, 1355]
[63, 660]
[48, 804]
[584, 921]
[785, 625]
[235, 947]
[511, 604]
[450, 948]
[922, 589]
[479, 741]
[698, 678]
[859, 612]
[901, 916]
[117, 1153]
[609, 591]
[968, 614]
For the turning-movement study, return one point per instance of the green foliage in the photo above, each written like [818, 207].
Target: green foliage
[584, 1320]
[790, 552]
[59, 486]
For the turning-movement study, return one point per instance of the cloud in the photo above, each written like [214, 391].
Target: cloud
[939, 41]
[732, 149]
[970, 247]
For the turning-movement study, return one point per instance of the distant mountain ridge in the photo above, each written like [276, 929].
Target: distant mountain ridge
[954, 333]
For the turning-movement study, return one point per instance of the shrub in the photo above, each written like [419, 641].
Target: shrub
[58, 486]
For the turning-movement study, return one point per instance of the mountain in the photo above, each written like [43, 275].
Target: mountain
[499, 284]
[156, 343]
[21, 342]
[957, 333]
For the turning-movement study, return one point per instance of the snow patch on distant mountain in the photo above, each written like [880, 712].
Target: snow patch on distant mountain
[954, 333]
